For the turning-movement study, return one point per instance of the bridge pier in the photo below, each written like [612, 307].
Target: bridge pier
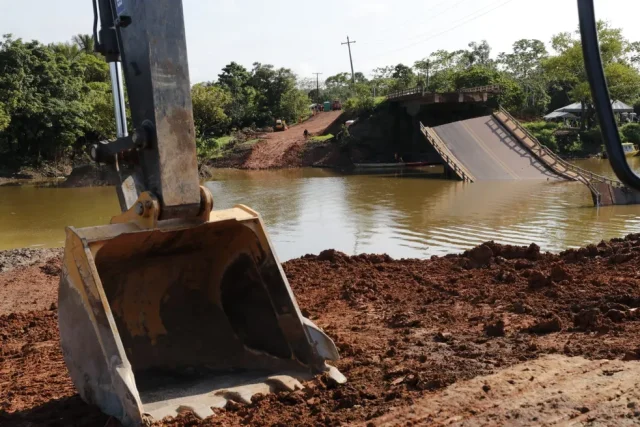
[610, 195]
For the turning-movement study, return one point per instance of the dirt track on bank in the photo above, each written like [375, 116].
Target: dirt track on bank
[284, 149]
[407, 330]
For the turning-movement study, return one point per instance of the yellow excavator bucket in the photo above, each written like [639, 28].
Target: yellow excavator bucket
[183, 316]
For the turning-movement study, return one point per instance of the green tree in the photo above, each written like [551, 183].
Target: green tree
[5, 119]
[84, 43]
[442, 66]
[91, 68]
[479, 54]
[209, 105]
[43, 97]
[70, 51]
[294, 105]
[404, 77]
[99, 104]
[567, 75]
[511, 96]
[270, 85]
[242, 108]
[523, 64]
[337, 86]
[360, 77]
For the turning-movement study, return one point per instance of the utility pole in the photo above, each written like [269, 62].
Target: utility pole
[318, 99]
[349, 43]
[428, 66]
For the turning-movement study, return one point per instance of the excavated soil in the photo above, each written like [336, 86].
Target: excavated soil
[407, 330]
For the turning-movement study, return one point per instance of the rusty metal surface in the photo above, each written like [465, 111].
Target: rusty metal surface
[489, 152]
[154, 53]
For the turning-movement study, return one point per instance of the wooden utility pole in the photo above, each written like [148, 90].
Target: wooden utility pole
[349, 43]
[318, 99]
[428, 67]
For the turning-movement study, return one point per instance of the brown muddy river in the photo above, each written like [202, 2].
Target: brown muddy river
[405, 214]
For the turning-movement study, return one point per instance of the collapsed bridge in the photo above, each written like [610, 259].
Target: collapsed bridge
[497, 147]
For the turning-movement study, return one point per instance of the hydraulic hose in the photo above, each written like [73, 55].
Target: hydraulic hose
[601, 97]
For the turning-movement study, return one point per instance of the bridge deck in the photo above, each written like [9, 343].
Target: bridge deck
[490, 152]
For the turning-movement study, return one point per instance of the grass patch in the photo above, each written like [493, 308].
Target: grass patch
[378, 100]
[223, 140]
[321, 138]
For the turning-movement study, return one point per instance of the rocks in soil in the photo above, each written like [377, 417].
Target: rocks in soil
[620, 258]
[588, 319]
[538, 280]
[481, 255]
[547, 325]
[443, 337]
[559, 274]
[52, 268]
[616, 316]
[495, 328]
[404, 320]
[506, 276]
[523, 264]
[520, 307]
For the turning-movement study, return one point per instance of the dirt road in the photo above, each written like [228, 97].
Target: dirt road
[498, 335]
[284, 149]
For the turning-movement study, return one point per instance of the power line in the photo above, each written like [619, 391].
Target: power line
[393, 26]
[453, 6]
[349, 43]
[472, 18]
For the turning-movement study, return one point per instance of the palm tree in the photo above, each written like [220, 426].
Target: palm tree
[68, 50]
[84, 42]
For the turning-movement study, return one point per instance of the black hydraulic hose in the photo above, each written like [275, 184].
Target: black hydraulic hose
[601, 97]
[95, 25]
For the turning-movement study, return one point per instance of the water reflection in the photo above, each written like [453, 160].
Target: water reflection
[407, 214]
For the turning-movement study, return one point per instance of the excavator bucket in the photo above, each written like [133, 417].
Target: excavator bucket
[182, 316]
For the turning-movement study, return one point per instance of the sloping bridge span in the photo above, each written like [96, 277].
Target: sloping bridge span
[498, 147]
[489, 152]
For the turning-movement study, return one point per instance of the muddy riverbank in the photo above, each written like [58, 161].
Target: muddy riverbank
[406, 329]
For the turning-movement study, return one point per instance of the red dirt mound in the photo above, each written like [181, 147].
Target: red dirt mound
[404, 328]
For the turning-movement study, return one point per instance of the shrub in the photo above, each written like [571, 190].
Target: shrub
[544, 132]
[576, 147]
[359, 104]
[592, 137]
[631, 132]
[547, 138]
[540, 125]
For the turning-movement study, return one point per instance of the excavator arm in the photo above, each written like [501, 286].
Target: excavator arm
[147, 41]
[173, 306]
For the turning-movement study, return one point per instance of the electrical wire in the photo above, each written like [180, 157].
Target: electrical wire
[465, 21]
[392, 27]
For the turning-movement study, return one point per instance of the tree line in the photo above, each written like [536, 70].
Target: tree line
[57, 97]
[534, 80]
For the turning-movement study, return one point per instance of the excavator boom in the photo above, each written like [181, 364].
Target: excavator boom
[173, 306]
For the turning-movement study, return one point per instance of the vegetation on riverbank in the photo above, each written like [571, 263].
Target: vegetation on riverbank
[55, 99]
[576, 142]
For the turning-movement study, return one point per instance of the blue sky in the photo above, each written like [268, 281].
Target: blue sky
[306, 35]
